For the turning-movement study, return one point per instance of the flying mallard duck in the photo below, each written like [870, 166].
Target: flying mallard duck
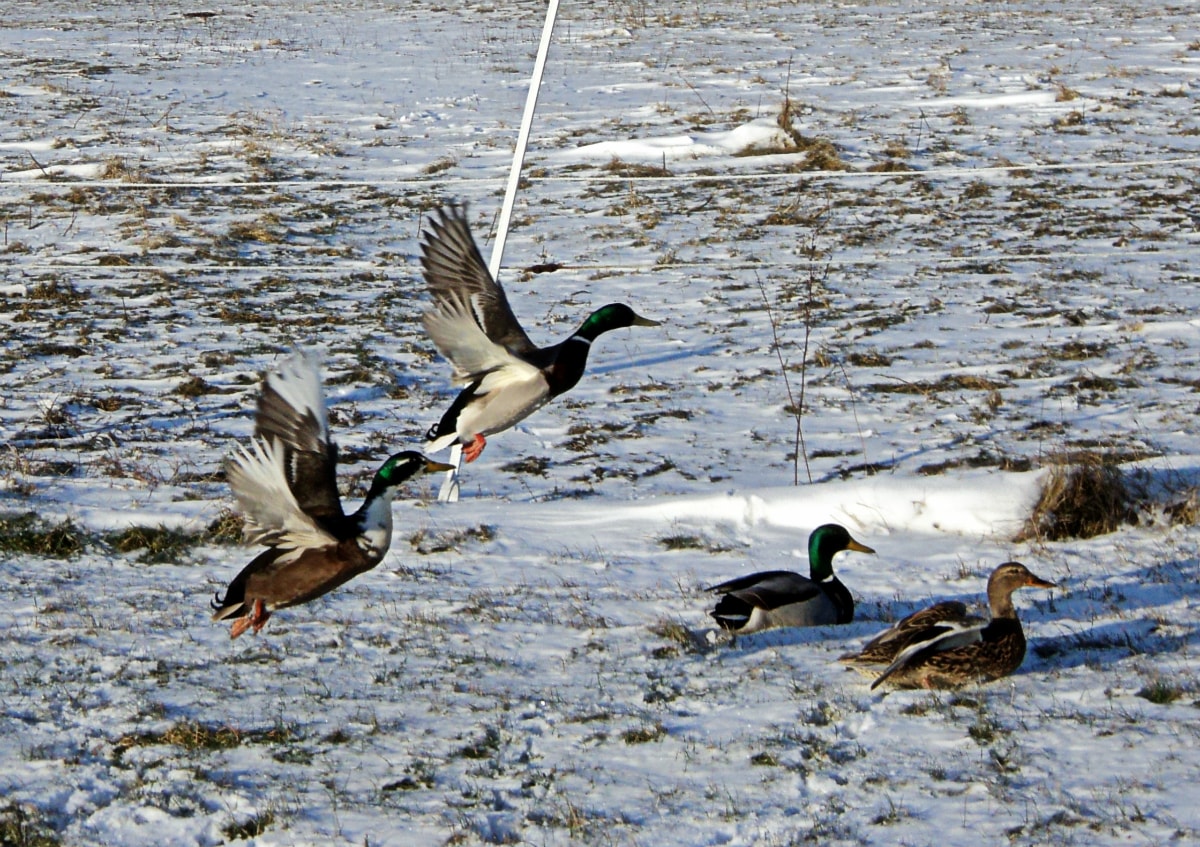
[783, 598]
[507, 378]
[286, 484]
[883, 648]
[950, 653]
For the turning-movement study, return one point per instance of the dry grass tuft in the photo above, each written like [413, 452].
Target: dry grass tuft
[680, 635]
[634, 169]
[194, 736]
[251, 828]
[1160, 692]
[23, 826]
[29, 534]
[226, 528]
[1085, 498]
[428, 542]
[155, 545]
[644, 734]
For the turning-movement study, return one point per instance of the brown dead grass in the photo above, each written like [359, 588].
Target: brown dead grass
[1087, 497]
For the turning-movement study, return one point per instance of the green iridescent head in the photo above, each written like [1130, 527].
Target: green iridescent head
[612, 316]
[404, 466]
[826, 542]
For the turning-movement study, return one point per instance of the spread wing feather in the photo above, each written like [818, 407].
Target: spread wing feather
[459, 281]
[258, 477]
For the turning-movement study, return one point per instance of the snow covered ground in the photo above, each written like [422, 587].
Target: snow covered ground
[969, 255]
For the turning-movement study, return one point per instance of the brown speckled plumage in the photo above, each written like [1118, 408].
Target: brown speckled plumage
[919, 626]
[957, 653]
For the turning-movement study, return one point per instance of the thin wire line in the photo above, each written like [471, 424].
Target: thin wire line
[908, 259]
[932, 173]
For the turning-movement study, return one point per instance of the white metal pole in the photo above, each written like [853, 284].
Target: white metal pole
[449, 492]
[514, 175]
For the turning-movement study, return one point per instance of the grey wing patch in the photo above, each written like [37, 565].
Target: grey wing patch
[452, 326]
[454, 268]
[779, 592]
[770, 589]
[257, 475]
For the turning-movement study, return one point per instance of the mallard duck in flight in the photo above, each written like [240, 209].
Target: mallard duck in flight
[507, 377]
[286, 485]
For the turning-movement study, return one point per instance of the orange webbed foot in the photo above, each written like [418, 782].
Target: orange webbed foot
[471, 451]
[257, 619]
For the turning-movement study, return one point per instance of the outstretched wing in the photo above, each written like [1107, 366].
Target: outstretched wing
[464, 291]
[291, 413]
[258, 477]
[456, 333]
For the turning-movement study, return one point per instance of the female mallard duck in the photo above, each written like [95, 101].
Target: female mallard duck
[286, 484]
[507, 377]
[783, 598]
[952, 653]
[883, 648]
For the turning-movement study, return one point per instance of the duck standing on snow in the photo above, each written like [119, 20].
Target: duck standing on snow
[507, 377]
[286, 484]
[951, 653]
[783, 598]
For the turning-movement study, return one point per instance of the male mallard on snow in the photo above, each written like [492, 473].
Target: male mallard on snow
[507, 377]
[286, 484]
[883, 648]
[952, 653]
[783, 598]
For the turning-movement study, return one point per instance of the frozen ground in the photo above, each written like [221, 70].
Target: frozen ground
[973, 251]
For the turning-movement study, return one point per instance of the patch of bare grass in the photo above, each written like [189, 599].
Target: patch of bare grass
[427, 543]
[950, 382]
[250, 828]
[1161, 692]
[1184, 507]
[644, 734]
[692, 541]
[1082, 499]
[194, 736]
[29, 534]
[226, 528]
[681, 638]
[634, 169]
[23, 826]
[155, 545]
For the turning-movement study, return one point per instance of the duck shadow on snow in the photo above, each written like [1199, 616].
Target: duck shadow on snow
[1105, 645]
[1138, 595]
[644, 362]
[770, 639]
